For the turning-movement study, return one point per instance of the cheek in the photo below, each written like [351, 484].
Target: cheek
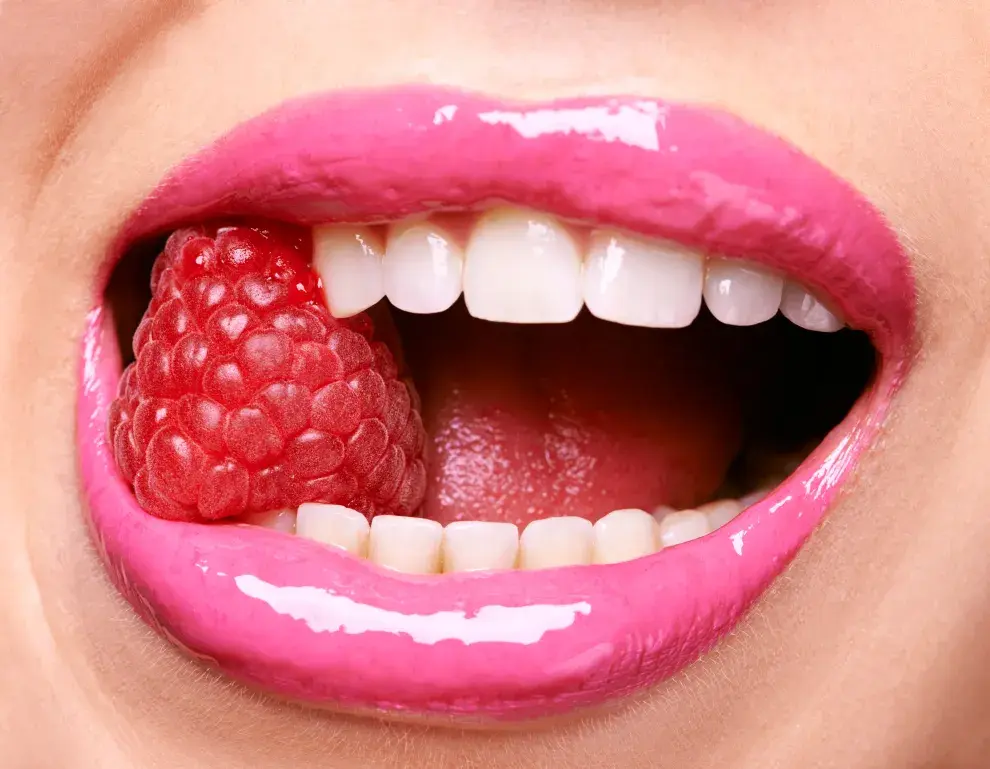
[908, 538]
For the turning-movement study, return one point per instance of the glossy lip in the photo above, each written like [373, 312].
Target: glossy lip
[311, 624]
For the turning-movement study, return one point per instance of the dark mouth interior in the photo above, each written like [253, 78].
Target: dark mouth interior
[802, 384]
[790, 386]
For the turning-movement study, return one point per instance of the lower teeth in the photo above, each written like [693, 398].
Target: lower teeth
[414, 545]
[425, 546]
[421, 546]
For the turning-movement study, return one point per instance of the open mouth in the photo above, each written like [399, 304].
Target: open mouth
[448, 406]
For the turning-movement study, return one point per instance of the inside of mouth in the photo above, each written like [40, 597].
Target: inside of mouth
[536, 421]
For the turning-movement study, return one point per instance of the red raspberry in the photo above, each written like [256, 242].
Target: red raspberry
[248, 396]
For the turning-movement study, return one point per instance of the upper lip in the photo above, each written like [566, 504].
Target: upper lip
[312, 624]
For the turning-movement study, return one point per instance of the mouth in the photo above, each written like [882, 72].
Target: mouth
[621, 357]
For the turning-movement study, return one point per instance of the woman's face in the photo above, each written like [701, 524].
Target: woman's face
[869, 650]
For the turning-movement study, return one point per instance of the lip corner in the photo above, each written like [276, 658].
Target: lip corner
[321, 628]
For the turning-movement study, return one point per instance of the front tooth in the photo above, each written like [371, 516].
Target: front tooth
[348, 259]
[642, 283]
[480, 545]
[721, 512]
[804, 310]
[683, 526]
[522, 267]
[280, 520]
[551, 542]
[741, 294]
[334, 525]
[410, 545]
[624, 535]
[422, 268]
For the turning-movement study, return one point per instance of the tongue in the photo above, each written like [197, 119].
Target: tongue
[580, 419]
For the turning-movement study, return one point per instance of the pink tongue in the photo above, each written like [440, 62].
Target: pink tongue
[580, 419]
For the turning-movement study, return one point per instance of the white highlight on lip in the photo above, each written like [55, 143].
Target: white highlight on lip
[444, 114]
[323, 611]
[632, 125]
[737, 541]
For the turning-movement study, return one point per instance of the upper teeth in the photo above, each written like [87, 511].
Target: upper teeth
[800, 307]
[423, 268]
[741, 294]
[349, 260]
[520, 266]
[642, 283]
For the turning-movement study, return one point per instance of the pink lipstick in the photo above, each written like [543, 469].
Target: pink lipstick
[303, 621]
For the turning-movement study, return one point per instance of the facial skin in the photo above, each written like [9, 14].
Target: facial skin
[870, 651]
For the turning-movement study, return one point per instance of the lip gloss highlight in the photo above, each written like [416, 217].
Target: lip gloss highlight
[309, 623]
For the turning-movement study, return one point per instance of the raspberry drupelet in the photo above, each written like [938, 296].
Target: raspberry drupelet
[247, 396]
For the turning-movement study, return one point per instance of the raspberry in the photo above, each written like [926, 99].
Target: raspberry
[247, 396]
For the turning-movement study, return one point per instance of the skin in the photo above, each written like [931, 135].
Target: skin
[870, 651]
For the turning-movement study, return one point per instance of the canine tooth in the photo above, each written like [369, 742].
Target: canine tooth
[334, 525]
[349, 261]
[683, 526]
[280, 520]
[804, 310]
[624, 535]
[642, 283]
[480, 545]
[721, 512]
[410, 545]
[561, 541]
[741, 294]
[422, 268]
[522, 267]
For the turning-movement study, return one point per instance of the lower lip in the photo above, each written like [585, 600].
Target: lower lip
[313, 624]
[310, 623]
